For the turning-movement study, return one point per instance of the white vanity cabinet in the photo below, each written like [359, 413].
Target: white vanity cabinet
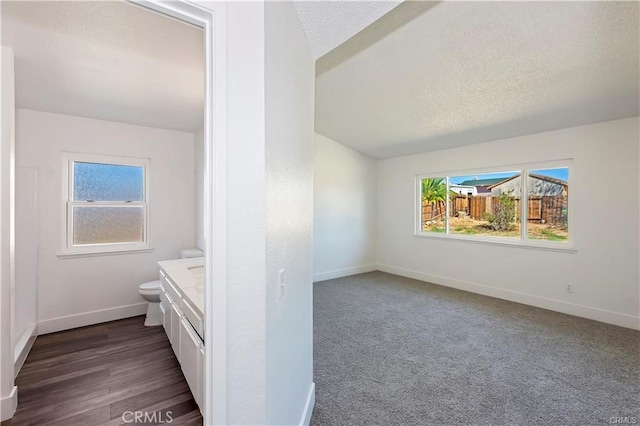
[201, 377]
[165, 308]
[176, 317]
[190, 345]
[169, 303]
[163, 316]
[183, 320]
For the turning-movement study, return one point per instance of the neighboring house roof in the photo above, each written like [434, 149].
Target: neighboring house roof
[482, 182]
[533, 175]
[549, 179]
[485, 185]
[504, 181]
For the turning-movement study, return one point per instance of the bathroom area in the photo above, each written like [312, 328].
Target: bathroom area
[103, 105]
[176, 302]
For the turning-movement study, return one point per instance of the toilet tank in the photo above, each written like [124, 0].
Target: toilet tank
[194, 252]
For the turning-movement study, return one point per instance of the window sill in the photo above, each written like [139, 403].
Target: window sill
[525, 244]
[96, 253]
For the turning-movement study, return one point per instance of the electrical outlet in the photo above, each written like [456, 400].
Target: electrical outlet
[569, 288]
[281, 284]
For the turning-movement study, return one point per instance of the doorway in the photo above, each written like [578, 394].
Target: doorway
[211, 20]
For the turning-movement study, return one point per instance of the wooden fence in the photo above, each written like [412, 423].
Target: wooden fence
[542, 209]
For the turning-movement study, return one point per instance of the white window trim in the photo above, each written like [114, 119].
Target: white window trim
[524, 168]
[69, 250]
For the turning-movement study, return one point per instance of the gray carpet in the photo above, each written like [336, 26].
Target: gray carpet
[395, 351]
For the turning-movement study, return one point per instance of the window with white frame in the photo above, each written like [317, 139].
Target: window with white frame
[106, 204]
[527, 204]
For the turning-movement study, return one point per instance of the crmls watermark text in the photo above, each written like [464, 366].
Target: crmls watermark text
[155, 417]
[623, 420]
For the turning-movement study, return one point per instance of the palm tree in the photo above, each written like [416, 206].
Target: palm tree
[434, 191]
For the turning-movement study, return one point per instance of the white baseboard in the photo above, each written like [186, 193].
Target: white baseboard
[23, 346]
[597, 314]
[90, 318]
[308, 407]
[9, 404]
[339, 273]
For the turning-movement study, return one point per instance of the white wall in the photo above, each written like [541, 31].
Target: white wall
[290, 72]
[26, 281]
[344, 211]
[80, 291]
[604, 270]
[246, 222]
[259, 387]
[8, 394]
[199, 187]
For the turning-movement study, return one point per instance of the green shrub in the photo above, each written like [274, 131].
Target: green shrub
[504, 213]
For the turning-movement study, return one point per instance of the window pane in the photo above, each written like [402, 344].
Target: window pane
[107, 182]
[99, 225]
[547, 192]
[434, 209]
[485, 205]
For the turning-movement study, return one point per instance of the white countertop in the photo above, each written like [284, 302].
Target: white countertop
[188, 276]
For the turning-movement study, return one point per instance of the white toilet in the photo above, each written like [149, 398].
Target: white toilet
[151, 292]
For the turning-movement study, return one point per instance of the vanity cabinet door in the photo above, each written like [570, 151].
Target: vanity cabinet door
[175, 330]
[164, 299]
[168, 315]
[201, 370]
[165, 306]
[163, 317]
[189, 353]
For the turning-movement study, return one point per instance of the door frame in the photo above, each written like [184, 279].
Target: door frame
[211, 17]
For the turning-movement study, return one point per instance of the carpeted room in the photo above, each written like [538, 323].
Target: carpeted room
[461, 329]
[394, 350]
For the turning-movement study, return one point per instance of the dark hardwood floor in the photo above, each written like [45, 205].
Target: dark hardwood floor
[105, 374]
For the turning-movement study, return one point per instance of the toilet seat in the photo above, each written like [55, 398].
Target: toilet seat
[152, 287]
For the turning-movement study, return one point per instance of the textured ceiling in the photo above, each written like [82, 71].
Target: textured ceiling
[107, 60]
[328, 23]
[393, 20]
[469, 72]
